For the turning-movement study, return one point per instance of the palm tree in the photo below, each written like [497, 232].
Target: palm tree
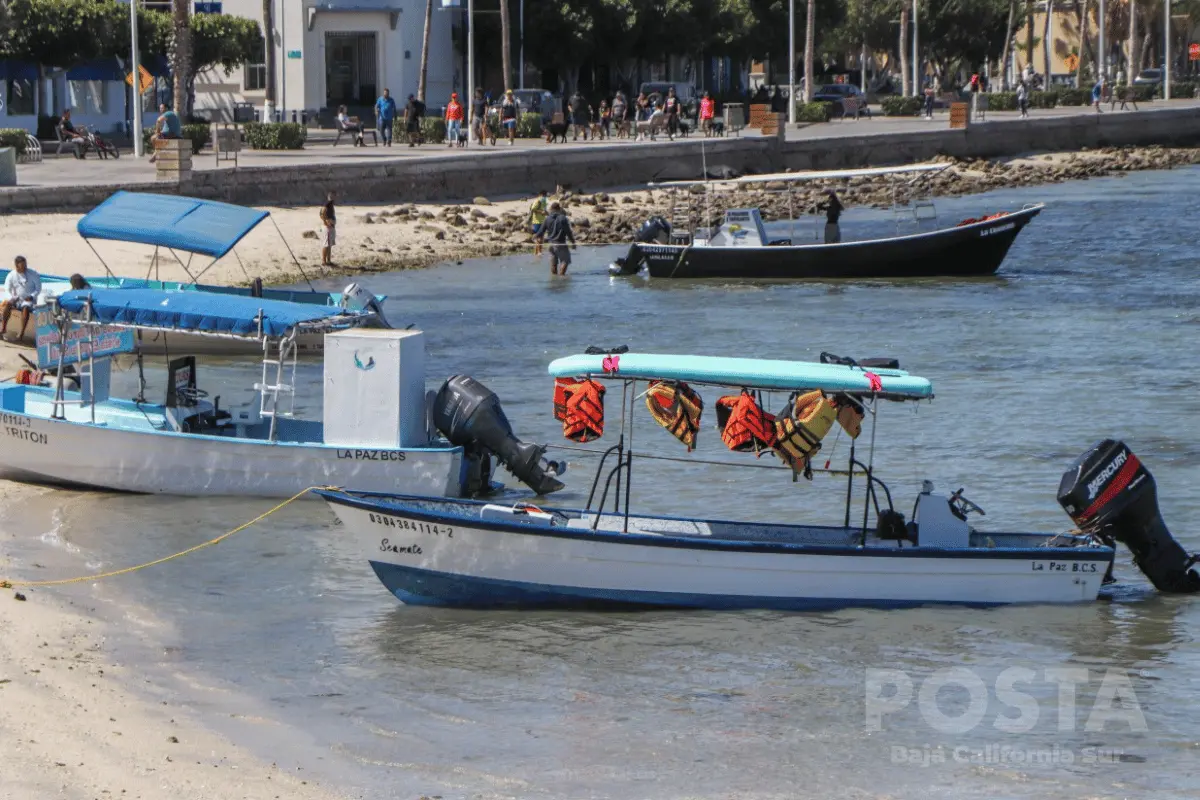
[425, 50]
[505, 45]
[1134, 62]
[181, 52]
[809, 35]
[1047, 45]
[904, 73]
[269, 45]
[1083, 39]
[1006, 57]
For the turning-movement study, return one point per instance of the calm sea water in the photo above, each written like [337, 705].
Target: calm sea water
[284, 639]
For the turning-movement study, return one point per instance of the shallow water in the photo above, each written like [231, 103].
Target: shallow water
[1089, 331]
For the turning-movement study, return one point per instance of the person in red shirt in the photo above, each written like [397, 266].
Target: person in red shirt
[707, 109]
[454, 120]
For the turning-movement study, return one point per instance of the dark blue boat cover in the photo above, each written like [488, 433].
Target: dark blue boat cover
[195, 311]
[167, 220]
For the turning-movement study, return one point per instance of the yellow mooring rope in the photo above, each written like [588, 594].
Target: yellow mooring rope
[9, 584]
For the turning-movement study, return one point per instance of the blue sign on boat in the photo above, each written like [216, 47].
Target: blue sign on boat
[106, 340]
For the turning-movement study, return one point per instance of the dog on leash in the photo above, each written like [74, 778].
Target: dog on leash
[463, 135]
[555, 131]
[624, 129]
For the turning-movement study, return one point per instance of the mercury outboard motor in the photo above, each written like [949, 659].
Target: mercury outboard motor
[357, 298]
[654, 230]
[469, 415]
[1108, 492]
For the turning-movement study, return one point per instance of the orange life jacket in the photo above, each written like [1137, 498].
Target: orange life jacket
[30, 377]
[800, 431]
[850, 416]
[560, 396]
[583, 415]
[744, 426]
[677, 408]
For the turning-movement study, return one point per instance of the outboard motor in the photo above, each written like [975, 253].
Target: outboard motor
[654, 230]
[357, 298]
[468, 414]
[1108, 492]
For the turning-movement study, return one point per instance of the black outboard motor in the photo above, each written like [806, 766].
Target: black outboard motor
[654, 230]
[469, 415]
[1108, 492]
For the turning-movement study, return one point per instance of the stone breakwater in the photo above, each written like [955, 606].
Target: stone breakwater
[417, 235]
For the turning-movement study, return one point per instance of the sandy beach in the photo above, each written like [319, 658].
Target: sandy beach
[73, 728]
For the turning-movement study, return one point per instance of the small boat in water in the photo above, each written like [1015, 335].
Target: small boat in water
[741, 248]
[380, 429]
[520, 554]
[189, 225]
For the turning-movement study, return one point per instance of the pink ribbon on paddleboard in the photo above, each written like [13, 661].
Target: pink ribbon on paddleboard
[876, 381]
[611, 364]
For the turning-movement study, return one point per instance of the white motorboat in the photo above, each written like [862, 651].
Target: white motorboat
[491, 554]
[376, 430]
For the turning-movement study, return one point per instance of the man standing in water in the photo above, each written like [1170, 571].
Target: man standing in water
[537, 221]
[833, 211]
[557, 232]
[328, 231]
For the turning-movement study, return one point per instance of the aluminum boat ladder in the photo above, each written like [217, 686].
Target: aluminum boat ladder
[277, 389]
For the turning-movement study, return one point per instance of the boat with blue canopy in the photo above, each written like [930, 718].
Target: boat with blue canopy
[521, 553]
[375, 429]
[174, 224]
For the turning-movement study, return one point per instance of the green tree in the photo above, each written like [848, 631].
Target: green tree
[220, 41]
[425, 50]
[181, 53]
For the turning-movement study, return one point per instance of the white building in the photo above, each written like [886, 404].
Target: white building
[338, 52]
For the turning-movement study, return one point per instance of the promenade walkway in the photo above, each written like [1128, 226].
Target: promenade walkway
[65, 171]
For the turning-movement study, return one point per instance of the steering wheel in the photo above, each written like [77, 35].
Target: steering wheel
[961, 506]
[191, 394]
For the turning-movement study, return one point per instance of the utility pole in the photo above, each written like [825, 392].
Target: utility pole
[470, 62]
[136, 72]
[916, 84]
[792, 62]
[1103, 55]
[1167, 51]
[521, 78]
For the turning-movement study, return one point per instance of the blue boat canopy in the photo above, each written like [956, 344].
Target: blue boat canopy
[749, 373]
[199, 311]
[165, 220]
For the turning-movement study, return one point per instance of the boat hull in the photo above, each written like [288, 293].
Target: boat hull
[160, 343]
[80, 455]
[971, 250]
[442, 559]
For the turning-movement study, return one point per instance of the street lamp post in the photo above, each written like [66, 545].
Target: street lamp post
[136, 81]
[1103, 55]
[791, 62]
[1167, 51]
[521, 78]
[470, 98]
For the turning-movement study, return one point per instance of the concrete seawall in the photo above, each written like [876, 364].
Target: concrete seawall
[456, 177]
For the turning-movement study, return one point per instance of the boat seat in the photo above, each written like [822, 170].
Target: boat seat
[520, 515]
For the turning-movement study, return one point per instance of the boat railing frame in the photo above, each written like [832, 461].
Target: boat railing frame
[622, 471]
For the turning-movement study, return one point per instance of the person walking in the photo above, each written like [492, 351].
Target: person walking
[557, 232]
[479, 107]
[1023, 99]
[508, 116]
[707, 111]
[414, 112]
[579, 116]
[328, 230]
[833, 211]
[619, 107]
[671, 109]
[385, 116]
[454, 120]
[1098, 93]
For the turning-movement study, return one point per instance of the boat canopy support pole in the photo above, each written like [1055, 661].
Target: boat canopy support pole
[183, 265]
[99, 258]
[849, 483]
[141, 395]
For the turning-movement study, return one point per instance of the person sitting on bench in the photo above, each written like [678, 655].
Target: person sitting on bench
[21, 289]
[351, 125]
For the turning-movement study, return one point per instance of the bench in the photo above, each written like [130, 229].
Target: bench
[33, 150]
[1125, 96]
[853, 106]
[351, 131]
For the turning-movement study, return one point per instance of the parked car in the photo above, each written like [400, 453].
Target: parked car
[838, 93]
[1149, 77]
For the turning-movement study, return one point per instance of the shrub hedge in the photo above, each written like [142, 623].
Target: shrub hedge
[275, 135]
[901, 106]
[15, 138]
[821, 111]
[200, 134]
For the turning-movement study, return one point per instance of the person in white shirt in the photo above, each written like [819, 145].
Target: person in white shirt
[21, 289]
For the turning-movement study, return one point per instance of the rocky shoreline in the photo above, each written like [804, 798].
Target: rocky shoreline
[418, 235]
